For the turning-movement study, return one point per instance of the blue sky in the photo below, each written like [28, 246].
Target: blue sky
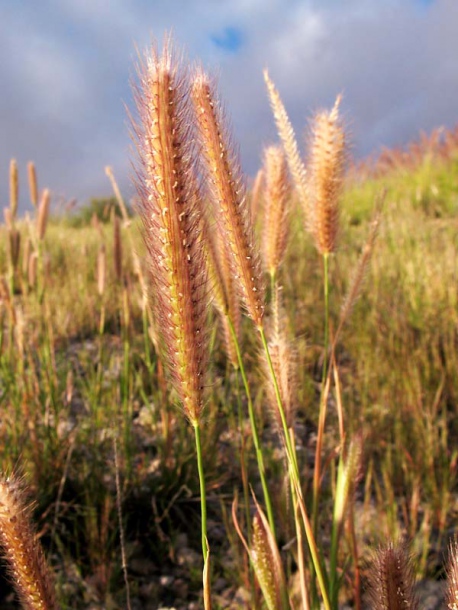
[65, 67]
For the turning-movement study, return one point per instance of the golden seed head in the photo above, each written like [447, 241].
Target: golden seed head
[14, 189]
[169, 205]
[33, 185]
[277, 190]
[326, 177]
[25, 559]
[228, 192]
[43, 212]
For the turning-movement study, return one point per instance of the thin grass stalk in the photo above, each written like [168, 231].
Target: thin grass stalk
[294, 469]
[325, 386]
[347, 477]
[121, 527]
[254, 431]
[203, 493]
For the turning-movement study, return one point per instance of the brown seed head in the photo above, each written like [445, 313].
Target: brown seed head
[277, 191]
[392, 580]
[326, 174]
[284, 361]
[33, 185]
[43, 212]
[452, 576]
[229, 195]
[171, 217]
[26, 562]
[14, 189]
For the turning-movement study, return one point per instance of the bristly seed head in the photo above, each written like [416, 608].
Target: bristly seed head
[228, 193]
[326, 175]
[169, 198]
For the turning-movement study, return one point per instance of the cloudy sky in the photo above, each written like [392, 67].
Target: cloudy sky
[65, 67]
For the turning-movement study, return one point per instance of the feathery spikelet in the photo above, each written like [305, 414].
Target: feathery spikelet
[168, 196]
[229, 194]
[284, 361]
[33, 184]
[277, 190]
[286, 133]
[326, 167]
[14, 189]
[392, 580]
[26, 562]
[225, 296]
[265, 558]
[348, 476]
[43, 211]
[452, 576]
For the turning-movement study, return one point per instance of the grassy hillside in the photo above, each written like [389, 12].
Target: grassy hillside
[84, 398]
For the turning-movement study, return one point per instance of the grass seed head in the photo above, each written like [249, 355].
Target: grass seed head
[392, 579]
[14, 189]
[228, 190]
[33, 184]
[326, 175]
[277, 191]
[169, 205]
[25, 559]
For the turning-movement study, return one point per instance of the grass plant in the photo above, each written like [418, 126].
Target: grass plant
[333, 445]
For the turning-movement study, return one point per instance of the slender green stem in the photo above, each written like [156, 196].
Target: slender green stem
[294, 470]
[254, 431]
[203, 494]
[322, 412]
[326, 317]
